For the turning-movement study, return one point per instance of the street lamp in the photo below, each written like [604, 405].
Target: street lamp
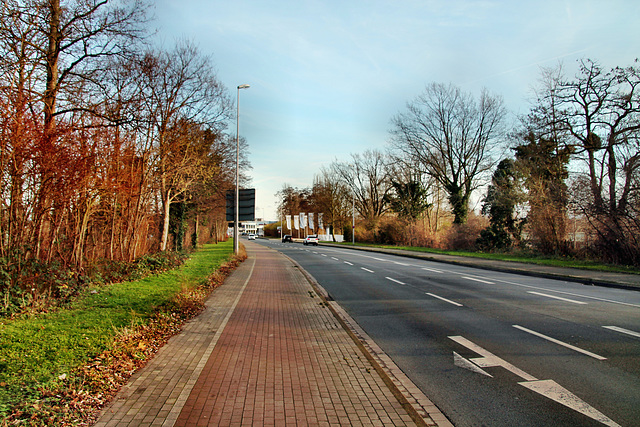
[353, 208]
[237, 203]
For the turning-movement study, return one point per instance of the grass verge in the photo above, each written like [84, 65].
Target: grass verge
[517, 257]
[59, 368]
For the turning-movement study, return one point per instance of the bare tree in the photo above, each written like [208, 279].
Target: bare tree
[332, 198]
[367, 176]
[601, 112]
[53, 52]
[180, 86]
[452, 136]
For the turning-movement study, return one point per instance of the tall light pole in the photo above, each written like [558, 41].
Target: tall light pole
[236, 208]
[353, 208]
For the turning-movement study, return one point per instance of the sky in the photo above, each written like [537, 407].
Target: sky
[328, 76]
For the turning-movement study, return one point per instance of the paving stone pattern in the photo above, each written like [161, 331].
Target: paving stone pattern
[266, 352]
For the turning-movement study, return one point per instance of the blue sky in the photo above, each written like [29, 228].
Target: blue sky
[327, 76]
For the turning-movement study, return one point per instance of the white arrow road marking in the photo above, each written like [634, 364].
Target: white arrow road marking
[546, 388]
[394, 280]
[490, 360]
[555, 297]
[461, 362]
[445, 300]
[623, 331]
[564, 344]
[555, 392]
[478, 280]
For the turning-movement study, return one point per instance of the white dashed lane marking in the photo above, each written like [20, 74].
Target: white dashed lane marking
[457, 304]
[556, 297]
[564, 344]
[478, 280]
[623, 331]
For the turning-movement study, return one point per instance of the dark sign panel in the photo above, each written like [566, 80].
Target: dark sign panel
[246, 205]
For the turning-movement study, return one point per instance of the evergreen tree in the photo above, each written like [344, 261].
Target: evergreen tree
[503, 196]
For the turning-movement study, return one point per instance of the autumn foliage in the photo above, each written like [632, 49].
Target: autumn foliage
[100, 138]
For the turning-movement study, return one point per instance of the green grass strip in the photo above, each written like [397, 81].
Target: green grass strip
[37, 350]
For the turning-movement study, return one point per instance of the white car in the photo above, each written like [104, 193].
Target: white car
[252, 236]
[311, 239]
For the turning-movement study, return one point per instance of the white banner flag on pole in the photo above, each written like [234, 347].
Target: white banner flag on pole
[320, 224]
[296, 223]
[303, 220]
[311, 221]
[288, 222]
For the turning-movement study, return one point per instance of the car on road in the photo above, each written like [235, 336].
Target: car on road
[311, 239]
[286, 238]
[252, 236]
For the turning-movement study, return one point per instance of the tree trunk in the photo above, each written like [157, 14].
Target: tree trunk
[166, 205]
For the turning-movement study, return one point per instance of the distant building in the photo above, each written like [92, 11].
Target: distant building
[250, 227]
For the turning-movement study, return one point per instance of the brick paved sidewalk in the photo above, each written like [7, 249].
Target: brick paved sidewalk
[266, 351]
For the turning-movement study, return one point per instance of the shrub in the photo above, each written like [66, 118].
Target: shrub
[34, 286]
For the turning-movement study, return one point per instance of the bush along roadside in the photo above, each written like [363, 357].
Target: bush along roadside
[59, 369]
[31, 286]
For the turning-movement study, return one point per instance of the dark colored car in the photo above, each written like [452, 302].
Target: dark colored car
[286, 238]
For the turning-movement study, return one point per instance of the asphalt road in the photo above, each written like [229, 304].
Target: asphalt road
[491, 348]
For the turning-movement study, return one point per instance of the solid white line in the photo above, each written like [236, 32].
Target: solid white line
[432, 269]
[445, 300]
[347, 262]
[478, 280]
[366, 269]
[394, 280]
[555, 297]
[564, 344]
[623, 331]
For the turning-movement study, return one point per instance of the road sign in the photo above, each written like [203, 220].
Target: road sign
[246, 205]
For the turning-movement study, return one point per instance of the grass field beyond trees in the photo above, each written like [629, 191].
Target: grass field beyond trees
[47, 352]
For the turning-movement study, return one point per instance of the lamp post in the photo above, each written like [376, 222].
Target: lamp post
[236, 208]
[353, 208]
